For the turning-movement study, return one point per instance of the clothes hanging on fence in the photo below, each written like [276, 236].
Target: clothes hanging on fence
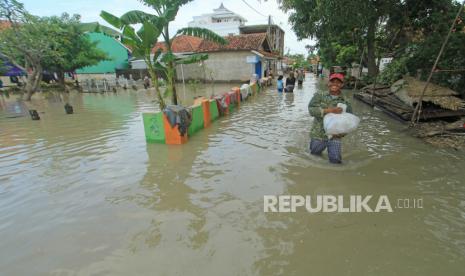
[245, 91]
[232, 97]
[221, 104]
[180, 116]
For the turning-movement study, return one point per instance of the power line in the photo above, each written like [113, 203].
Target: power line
[253, 8]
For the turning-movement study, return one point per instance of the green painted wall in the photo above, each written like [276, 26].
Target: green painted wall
[197, 120]
[114, 49]
[213, 110]
[154, 127]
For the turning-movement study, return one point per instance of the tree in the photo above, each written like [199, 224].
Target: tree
[25, 43]
[299, 61]
[414, 37]
[158, 23]
[73, 50]
[36, 43]
[332, 21]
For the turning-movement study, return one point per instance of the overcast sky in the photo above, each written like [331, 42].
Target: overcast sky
[90, 10]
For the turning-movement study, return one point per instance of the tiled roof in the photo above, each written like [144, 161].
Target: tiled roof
[236, 42]
[188, 44]
[181, 44]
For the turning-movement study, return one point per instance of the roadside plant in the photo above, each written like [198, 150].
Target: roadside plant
[165, 60]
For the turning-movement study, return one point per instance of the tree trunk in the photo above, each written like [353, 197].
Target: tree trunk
[61, 80]
[171, 68]
[371, 59]
[33, 81]
[154, 76]
[38, 80]
[171, 76]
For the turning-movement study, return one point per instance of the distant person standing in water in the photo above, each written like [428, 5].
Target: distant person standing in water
[290, 83]
[321, 104]
[300, 77]
[146, 82]
[280, 84]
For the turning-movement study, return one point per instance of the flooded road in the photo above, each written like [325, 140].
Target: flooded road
[84, 194]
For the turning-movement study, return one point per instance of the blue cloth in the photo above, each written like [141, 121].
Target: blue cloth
[280, 84]
[317, 146]
[280, 90]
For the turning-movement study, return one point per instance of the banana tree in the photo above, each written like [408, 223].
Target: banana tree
[170, 60]
[165, 12]
[140, 42]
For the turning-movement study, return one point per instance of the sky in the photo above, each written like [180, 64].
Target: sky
[90, 10]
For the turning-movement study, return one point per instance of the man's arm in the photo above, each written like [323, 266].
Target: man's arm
[314, 106]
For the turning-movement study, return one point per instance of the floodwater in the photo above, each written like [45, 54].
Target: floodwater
[84, 194]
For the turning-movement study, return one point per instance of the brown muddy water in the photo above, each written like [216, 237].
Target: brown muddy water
[84, 194]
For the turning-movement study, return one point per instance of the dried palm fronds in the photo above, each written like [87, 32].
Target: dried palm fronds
[409, 91]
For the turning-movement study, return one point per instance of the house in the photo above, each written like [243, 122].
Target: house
[225, 22]
[222, 21]
[181, 45]
[116, 51]
[384, 61]
[274, 32]
[275, 37]
[243, 56]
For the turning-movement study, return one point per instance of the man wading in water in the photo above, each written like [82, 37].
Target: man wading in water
[321, 104]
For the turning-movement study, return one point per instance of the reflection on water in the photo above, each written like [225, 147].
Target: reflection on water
[84, 194]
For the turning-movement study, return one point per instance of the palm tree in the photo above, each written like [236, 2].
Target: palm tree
[153, 26]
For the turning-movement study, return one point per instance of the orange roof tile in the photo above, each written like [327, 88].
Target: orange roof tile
[181, 44]
[236, 42]
[188, 44]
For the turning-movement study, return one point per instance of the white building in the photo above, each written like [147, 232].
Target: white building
[222, 21]
[384, 62]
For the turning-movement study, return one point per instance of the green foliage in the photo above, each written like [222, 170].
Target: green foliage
[154, 25]
[141, 42]
[412, 31]
[97, 28]
[37, 43]
[72, 49]
[394, 71]
[299, 61]
[3, 66]
[350, 24]
[346, 55]
[27, 42]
